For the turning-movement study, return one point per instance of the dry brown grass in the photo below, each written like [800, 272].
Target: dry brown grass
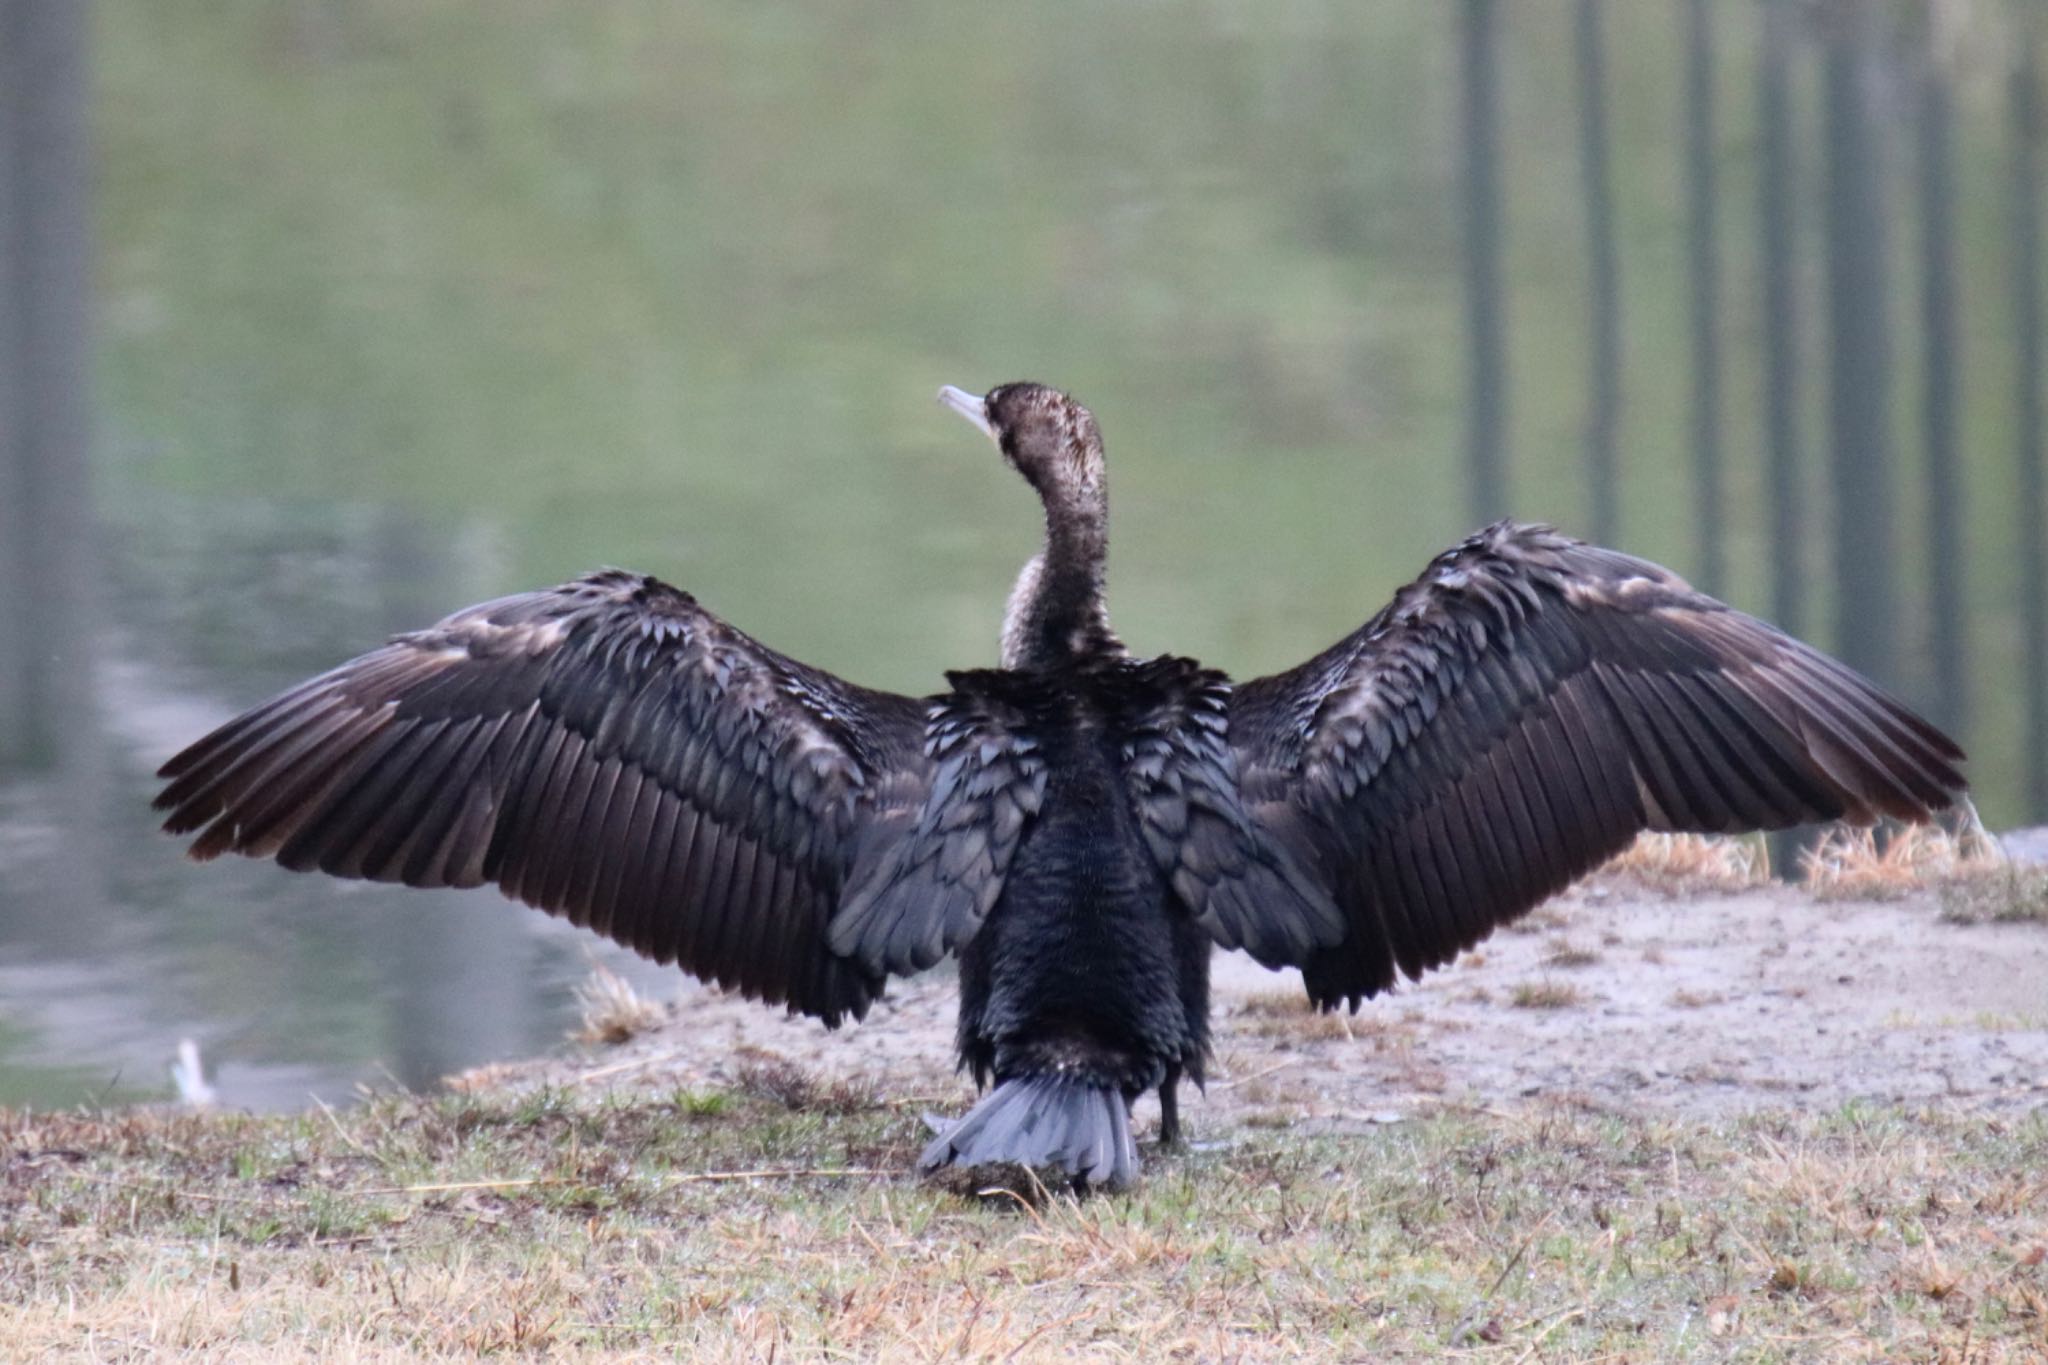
[1285, 1003]
[613, 1012]
[447, 1229]
[1565, 953]
[1288, 1014]
[1546, 994]
[1989, 888]
[763, 1074]
[2012, 894]
[1689, 864]
[1855, 863]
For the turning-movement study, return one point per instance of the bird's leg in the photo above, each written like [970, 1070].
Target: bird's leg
[1169, 1108]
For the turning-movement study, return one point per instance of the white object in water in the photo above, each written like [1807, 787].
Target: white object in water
[190, 1077]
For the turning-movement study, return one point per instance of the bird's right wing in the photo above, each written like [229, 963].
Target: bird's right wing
[608, 751]
[1518, 715]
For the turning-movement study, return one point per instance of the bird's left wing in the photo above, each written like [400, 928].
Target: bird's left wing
[1518, 714]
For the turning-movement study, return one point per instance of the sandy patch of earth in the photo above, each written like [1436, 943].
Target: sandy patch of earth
[1608, 996]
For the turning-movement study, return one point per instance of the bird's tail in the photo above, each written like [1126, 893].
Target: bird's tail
[1084, 1129]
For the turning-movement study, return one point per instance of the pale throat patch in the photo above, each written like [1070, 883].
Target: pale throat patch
[1015, 627]
[1018, 624]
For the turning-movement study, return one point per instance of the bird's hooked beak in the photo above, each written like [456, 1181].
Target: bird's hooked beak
[972, 406]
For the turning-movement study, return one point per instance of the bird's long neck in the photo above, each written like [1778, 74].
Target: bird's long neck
[1057, 612]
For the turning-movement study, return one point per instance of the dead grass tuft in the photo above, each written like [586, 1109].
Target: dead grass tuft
[613, 1012]
[1564, 953]
[1006, 1187]
[1688, 864]
[1996, 893]
[1854, 863]
[1546, 995]
[1282, 1004]
[1290, 1014]
[771, 1076]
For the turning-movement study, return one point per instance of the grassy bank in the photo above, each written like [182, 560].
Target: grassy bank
[774, 1220]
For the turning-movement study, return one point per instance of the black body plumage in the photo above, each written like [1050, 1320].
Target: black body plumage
[1088, 968]
[1079, 827]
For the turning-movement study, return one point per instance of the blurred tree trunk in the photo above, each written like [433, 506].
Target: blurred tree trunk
[1486, 453]
[48, 588]
[1940, 348]
[2032, 504]
[1776, 199]
[44, 203]
[1703, 279]
[1859, 354]
[1777, 225]
[1603, 475]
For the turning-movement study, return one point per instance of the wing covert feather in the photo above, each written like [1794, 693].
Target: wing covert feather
[1245, 886]
[927, 878]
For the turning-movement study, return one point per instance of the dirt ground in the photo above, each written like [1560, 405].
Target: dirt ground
[1609, 996]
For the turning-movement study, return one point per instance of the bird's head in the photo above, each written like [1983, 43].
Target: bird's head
[1044, 435]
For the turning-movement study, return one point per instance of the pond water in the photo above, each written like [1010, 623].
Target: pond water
[391, 308]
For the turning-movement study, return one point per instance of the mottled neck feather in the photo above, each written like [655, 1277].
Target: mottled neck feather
[1057, 613]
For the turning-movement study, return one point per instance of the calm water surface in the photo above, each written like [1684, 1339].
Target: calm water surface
[392, 309]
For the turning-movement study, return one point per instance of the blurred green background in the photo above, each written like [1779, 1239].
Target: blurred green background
[391, 306]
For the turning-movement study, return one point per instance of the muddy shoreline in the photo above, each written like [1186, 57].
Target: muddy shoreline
[1610, 996]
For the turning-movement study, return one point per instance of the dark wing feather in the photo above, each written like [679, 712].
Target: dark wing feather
[929, 876]
[1245, 888]
[1519, 714]
[608, 751]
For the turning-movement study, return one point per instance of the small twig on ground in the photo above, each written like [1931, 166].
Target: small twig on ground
[1520, 1252]
[443, 1187]
[1236, 1081]
[686, 1178]
[617, 1068]
[781, 1173]
[342, 1132]
[1570, 1314]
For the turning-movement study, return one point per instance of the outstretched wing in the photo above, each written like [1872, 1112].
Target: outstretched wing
[608, 751]
[1519, 713]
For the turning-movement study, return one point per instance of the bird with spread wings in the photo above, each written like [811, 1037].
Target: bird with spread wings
[612, 752]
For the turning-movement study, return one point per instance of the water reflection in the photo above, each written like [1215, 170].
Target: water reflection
[115, 948]
[2031, 446]
[399, 308]
[56, 826]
